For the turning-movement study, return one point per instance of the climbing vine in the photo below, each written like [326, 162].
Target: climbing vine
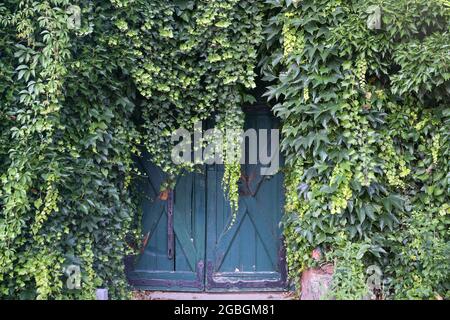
[84, 88]
[362, 91]
[195, 59]
[66, 134]
[361, 88]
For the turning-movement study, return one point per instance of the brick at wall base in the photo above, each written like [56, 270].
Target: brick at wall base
[316, 282]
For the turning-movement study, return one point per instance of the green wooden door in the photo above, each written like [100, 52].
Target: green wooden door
[205, 252]
[174, 228]
[248, 255]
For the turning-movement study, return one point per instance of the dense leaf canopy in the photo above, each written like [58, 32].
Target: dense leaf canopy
[366, 136]
[86, 86]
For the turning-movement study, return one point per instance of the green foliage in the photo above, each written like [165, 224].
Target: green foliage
[349, 281]
[365, 116]
[76, 100]
[67, 137]
[194, 59]
[366, 137]
[420, 267]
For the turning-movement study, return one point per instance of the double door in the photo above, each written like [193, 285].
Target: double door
[191, 243]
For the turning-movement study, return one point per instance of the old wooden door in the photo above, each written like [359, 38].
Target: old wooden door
[205, 253]
[249, 254]
[174, 245]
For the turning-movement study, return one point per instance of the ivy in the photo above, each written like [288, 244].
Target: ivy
[193, 61]
[85, 88]
[364, 113]
[365, 131]
[65, 153]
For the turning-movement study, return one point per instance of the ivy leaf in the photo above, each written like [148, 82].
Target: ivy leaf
[362, 251]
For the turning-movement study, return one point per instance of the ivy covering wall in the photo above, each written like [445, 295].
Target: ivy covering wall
[81, 92]
[366, 136]
[365, 121]
[66, 139]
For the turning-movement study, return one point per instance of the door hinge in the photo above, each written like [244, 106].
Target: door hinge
[170, 232]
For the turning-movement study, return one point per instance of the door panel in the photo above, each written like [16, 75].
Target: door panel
[156, 268]
[248, 254]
